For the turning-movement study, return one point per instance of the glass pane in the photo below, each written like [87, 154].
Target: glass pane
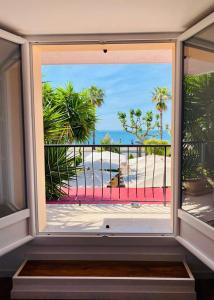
[198, 126]
[12, 185]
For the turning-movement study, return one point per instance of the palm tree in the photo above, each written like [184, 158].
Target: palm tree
[160, 96]
[96, 96]
[80, 111]
[67, 116]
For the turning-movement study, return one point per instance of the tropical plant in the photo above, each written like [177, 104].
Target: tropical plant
[198, 107]
[68, 116]
[157, 150]
[106, 140]
[140, 125]
[198, 124]
[60, 167]
[160, 96]
[54, 123]
[131, 156]
[96, 96]
[80, 111]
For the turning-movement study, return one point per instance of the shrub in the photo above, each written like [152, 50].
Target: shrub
[60, 167]
[157, 150]
[106, 140]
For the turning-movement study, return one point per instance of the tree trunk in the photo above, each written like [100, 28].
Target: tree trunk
[139, 151]
[94, 138]
[161, 125]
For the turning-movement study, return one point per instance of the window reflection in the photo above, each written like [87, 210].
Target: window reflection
[12, 187]
[198, 126]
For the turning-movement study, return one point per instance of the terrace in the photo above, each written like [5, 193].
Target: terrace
[112, 188]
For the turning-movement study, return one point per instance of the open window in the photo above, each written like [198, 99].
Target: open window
[16, 188]
[196, 182]
[111, 176]
[193, 147]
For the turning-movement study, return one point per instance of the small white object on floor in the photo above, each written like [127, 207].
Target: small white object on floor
[135, 205]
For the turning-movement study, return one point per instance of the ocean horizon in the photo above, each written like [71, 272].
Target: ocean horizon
[123, 137]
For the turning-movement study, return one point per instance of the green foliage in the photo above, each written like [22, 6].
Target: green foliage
[96, 95]
[59, 168]
[54, 119]
[106, 140]
[68, 117]
[139, 125]
[55, 124]
[160, 96]
[80, 111]
[199, 107]
[157, 150]
[131, 156]
[198, 126]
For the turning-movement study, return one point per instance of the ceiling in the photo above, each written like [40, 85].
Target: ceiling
[32, 17]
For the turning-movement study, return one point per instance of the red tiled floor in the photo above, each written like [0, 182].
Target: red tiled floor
[115, 196]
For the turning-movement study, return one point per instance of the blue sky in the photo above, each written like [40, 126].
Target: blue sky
[126, 86]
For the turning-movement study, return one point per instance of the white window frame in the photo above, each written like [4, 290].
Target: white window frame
[19, 227]
[195, 235]
[185, 226]
[36, 72]
[192, 233]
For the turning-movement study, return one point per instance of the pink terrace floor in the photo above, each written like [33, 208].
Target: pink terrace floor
[114, 196]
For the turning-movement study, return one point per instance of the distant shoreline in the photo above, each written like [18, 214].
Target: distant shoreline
[122, 137]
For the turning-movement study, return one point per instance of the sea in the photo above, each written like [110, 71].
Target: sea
[123, 137]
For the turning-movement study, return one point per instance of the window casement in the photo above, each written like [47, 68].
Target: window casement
[21, 226]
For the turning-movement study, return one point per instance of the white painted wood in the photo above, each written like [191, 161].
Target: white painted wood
[188, 270]
[36, 83]
[176, 140]
[20, 268]
[11, 37]
[29, 136]
[147, 288]
[197, 242]
[17, 229]
[13, 233]
[198, 253]
[97, 252]
[102, 38]
[204, 228]
[196, 28]
[14, 236]
[14, 218]
[107, 295]
[101, 248]
[196, 236]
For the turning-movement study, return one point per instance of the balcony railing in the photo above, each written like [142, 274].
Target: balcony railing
[116, 174]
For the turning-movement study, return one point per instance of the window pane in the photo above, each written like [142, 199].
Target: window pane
[12, 186]
[198, 126]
